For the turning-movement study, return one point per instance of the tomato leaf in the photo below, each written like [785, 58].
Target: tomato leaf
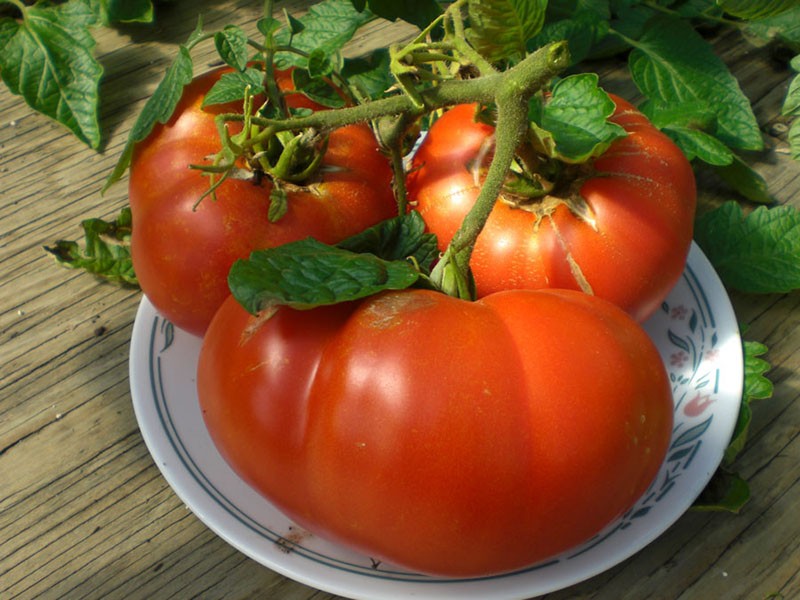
[726, 491]
[500, 29]
[231, 44]
[399, 238]
[319, 64]
[688, 125]
[370, 74]
[697, 144]
[783, 27]
[308, 273]
[416, 12]
[791, 103]
[791, 108]
[756, 385]
[105, 252]
[123, 11]
[278, 204]
[572, 124]
[697, 114]
[756, 253]
[316, 88]
[327, 26]
[231, 86]
[158, 108]
[756, 9]
[672, 64]
[745, 180]
[794, 139]
[582, 31]
[48, 60]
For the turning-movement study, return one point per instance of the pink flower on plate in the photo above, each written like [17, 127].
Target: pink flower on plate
[679, 312]
[698, 405]
[678, 359]
[712, 355]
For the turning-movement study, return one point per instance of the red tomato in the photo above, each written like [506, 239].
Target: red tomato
[449, 437]
[641, 201]
[182, 256]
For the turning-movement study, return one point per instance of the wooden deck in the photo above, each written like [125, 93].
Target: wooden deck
[85, 512]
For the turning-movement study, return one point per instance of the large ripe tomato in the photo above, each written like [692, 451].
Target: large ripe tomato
[182, 255]
[632, 247]
[449, 437]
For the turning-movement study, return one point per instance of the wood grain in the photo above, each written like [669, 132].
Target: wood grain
[85, 513]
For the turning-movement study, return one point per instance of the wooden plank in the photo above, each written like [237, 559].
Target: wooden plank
[85, 512]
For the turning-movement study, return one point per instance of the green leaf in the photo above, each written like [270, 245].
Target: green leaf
[672, 64]
[582, 31]
[123, 11]
[48, 60]
[573, 123]
[756, 9]
[319, 64]
[697, 114]
[726, 492]
[158, 109]
[500, 29]
[566, 9]
[794, 139]
[370, 74]
[278, 204]
[744, 180]
[267, 26]
[327, 26]
[231, 87]
[417, 12]
[318, 89]
[106, 249]
[756, 387]
[791, 103]
[231, 44]
[308, 273]
[399, 238]
[687, 124]
[697, 144]
[699, 9]
[295, 25]
[740, 433]
[756, 253]
[784, 28]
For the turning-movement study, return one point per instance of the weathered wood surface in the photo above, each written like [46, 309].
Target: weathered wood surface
[85, 513]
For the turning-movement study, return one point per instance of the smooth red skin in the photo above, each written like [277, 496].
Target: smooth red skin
[182, 256]
[643, 201]
[369, 425]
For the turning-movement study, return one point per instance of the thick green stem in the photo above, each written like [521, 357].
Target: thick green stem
[273, 93]
[466, 50]
[451, 273]
[526, 78]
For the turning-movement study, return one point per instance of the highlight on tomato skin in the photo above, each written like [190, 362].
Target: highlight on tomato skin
[369, 425]
[631, 249]
[182, 251]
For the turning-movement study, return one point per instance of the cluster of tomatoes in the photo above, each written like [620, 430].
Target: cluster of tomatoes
[446, 436]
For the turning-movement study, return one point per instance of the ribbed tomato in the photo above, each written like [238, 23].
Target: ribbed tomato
[182, 252]
[619, 228]
[449, 437]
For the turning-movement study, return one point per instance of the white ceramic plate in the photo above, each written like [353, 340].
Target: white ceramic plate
[696, 333]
